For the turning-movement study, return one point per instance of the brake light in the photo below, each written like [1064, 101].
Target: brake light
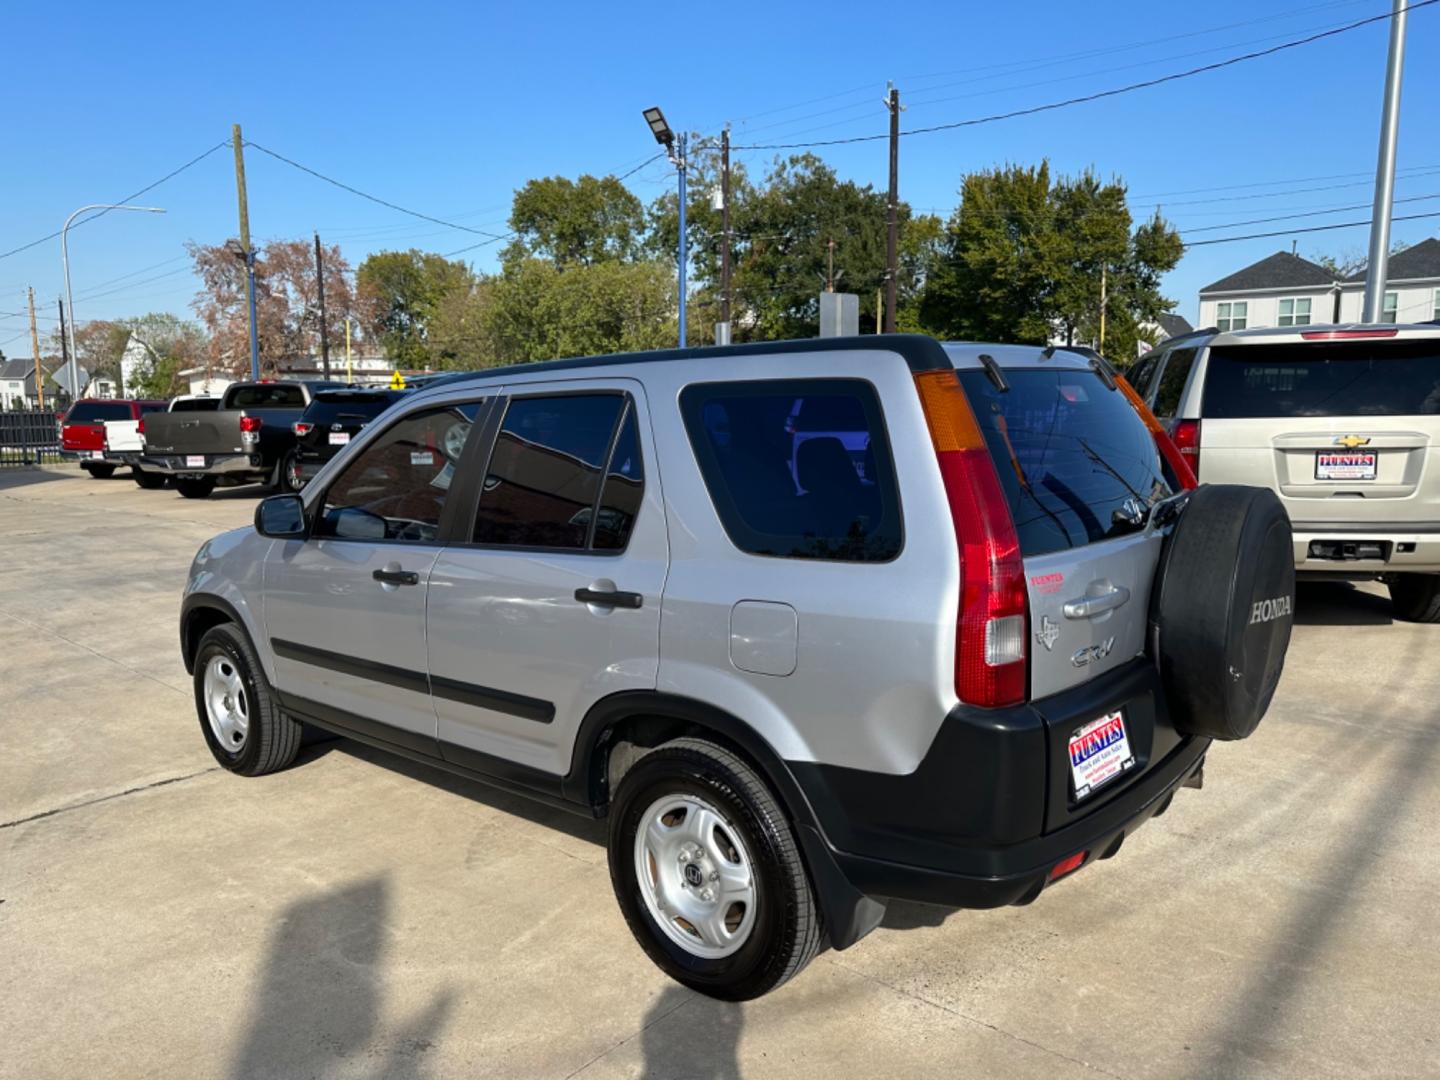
[250, 423]
[1187, 441]
[1068, 866]
[140, 427]
[992, 624]
[1185, 469]
[1346, 335]
[301, 428]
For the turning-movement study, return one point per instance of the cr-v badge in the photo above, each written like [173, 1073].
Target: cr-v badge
[1093, 653]
[1048, 632]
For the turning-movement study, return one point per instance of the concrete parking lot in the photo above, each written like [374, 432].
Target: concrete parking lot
[357, 916]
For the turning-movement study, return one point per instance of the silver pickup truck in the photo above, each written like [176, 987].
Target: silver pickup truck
[245, 439]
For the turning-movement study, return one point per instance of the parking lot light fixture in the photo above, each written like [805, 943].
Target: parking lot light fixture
[659, 128]
[69, 297]
[675, 151]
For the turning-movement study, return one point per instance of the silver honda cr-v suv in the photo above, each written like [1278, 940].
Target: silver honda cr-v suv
[1342, 422]
[814, 624]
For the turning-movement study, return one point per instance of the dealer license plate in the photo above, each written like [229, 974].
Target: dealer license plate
[1099, 752]
[339, 438]
[194, 461]
[1347, 466]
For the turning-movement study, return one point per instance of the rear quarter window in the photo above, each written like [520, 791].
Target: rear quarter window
[1342, 378]
[1073, 456]
[798, 468]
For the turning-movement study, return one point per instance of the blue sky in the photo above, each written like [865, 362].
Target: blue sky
[448, 108]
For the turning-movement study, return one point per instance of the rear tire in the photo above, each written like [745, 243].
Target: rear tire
[1416, 597]
[195, 487]
[741, 835]
[150, 481]
[239, 715]
[100, 472]
[290, 478]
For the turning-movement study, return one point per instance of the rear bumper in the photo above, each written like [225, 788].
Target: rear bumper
[1364, 549]
[990, 811]
[80, 455]
[215, 464]
[123, 457]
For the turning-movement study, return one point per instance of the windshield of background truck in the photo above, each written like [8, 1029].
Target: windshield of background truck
[1342, 378]
[1073, 457]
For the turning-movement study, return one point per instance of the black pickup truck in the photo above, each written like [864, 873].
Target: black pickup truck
[246, 440]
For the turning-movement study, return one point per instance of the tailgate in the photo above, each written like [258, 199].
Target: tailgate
[193, 433]
[122, 435]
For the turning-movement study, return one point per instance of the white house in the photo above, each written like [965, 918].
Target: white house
[1285, 290]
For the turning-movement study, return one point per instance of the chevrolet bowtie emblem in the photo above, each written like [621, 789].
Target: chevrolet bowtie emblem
[1352, 441]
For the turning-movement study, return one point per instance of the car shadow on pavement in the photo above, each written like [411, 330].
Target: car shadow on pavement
[1244, 1040]
[318, 1007]
[1339, 603]
[704, 1045]
[16, 476]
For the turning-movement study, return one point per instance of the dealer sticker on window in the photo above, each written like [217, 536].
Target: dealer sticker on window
[1099, 752]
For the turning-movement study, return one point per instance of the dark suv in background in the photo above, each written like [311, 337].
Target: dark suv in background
[328, 424]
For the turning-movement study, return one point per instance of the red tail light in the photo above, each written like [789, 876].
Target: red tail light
[250, 423]
[140, 427]
[1187, 441]
[301, 428]
[992, 626]
[1185, 469]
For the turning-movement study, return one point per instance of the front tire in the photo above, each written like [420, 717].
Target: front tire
[100, 472]
[290, 473]
[239, 715]
[708, 872]
[150, 481]
[1416, 597]
[195, 487]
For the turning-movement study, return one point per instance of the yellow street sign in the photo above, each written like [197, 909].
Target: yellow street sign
[397, 381]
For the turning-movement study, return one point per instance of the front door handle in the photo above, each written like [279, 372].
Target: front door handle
[609, 598]
[396, 577]
[1091, 606]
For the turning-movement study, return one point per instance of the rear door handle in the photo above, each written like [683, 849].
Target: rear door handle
[1091, 606]
[614, 598]
[396, 577]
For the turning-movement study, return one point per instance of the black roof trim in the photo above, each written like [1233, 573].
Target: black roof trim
[920, 353]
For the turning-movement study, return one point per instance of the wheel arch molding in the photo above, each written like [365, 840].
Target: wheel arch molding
[200, 612]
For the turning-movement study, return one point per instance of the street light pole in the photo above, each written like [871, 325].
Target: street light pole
[1379, 263]
[680, 167]
[69, 297]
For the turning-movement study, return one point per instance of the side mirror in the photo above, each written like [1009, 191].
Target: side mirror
[281, 517]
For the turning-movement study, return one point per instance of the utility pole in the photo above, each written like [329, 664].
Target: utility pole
[1379, 264]
[1100, 348]
[320, 284]
[892, 225]
[722, 332]
[35, 346]
[349, 370]
[879, 311]
[830, 265]
[64, 349]
[246, 251]
[682, 166]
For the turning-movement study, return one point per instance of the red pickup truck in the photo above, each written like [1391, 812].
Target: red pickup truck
[82, 430]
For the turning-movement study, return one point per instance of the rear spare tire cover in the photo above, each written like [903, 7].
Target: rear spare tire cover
[1223, 607]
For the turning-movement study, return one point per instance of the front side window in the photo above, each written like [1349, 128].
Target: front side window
[546, 472]
[1172, 382]
[1390, 307]
[1232, 315]
[395, 488]
[1294, 312]
[797, 468]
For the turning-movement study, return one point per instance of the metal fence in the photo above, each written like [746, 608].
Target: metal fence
[28, 438]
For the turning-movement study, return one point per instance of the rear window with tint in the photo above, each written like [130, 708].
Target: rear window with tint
[196, 405]
[276, 396]
[797, 468]
[95, 412]
[1343, 378]
[1073, 456]
[328, 408]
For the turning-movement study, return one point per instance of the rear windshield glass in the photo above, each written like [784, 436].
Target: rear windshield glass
[204, 404]
[1073, 457]
[360, 407]
[797, 468]
[94, 412]
[1343, 378]
[265, 397]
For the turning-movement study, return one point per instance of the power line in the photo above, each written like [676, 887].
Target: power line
[482, 243]
[647, 161]
[375, 198]
[1307, 229]
[1100, 94]
[128, 198]
[1306, 214]
[1273, 183]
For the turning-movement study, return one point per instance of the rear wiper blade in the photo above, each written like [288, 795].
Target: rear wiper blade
[992, 369]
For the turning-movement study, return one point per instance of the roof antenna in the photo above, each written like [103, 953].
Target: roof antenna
[1294, 245]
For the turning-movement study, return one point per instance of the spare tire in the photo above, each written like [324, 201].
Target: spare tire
[1222, 608]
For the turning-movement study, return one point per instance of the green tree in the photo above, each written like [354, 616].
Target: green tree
[399, 294]
[1026, 259]
[99, 345]
[171, 345]
[576, 223]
